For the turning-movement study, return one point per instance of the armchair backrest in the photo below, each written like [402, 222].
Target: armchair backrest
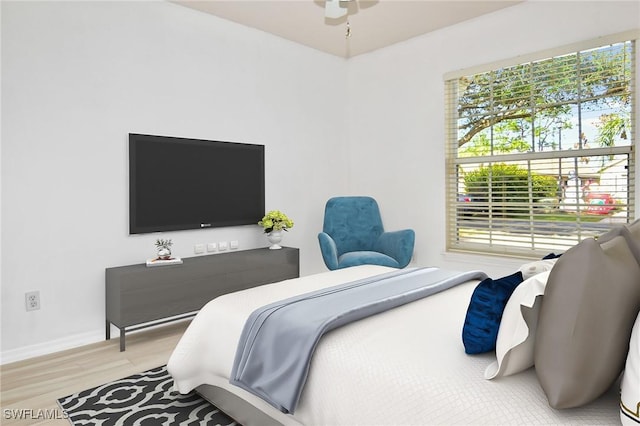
[354, 223]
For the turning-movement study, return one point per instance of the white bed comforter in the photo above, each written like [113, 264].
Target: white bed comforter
[405, 366]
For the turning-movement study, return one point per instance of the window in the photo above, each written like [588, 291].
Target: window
[540, 153]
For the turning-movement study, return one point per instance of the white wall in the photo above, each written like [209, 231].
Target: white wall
[77, 77]
[396, 98]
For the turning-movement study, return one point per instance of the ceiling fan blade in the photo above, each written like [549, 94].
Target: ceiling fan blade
[333, 10]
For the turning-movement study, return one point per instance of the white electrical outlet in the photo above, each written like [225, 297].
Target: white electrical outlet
[222, 245]
[32, 300]
[233, 245]
[198, 248]
[211, 247]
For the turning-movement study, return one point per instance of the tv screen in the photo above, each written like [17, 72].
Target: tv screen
[179, 183]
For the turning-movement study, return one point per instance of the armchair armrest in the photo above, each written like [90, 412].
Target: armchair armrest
[329, 250]
[397, 244]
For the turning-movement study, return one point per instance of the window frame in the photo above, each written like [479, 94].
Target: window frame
[454, 243]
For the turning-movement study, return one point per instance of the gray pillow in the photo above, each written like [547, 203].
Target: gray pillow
[634, 232]
[590, 304]
[630, 232]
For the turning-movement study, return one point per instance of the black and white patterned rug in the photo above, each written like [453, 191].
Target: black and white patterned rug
[145, 399]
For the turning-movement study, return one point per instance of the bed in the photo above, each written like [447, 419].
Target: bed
[405, 366]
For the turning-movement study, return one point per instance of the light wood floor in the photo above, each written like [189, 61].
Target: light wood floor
[35, 384]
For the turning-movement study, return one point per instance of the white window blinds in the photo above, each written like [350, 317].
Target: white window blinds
[540, 153]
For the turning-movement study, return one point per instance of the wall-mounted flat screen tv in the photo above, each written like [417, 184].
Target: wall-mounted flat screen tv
[179, 183]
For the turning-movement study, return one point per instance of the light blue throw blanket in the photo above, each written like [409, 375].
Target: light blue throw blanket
[278, 340]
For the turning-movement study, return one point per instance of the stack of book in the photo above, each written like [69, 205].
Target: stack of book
[163, 262]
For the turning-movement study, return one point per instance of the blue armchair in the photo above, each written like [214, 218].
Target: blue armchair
[353, 235]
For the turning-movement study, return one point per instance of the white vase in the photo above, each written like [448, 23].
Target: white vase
[274, 238]
[164, 253]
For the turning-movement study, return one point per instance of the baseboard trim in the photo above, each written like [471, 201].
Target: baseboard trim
[52, 346]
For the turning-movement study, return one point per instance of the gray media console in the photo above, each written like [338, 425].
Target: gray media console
[138, 296]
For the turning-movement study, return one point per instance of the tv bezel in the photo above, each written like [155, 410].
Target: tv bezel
[135, 229]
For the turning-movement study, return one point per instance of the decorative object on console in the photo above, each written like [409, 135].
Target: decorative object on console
[482, 321]
[273, 223]
[275, 237]
[352, 234]
[164, 248]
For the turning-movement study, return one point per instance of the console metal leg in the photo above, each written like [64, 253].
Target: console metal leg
[122, 340]
[107, 334]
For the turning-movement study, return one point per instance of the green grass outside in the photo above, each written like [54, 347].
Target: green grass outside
[570, 217]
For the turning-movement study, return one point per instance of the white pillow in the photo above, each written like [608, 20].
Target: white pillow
[630, 387]
[517, 332]
[534, 268]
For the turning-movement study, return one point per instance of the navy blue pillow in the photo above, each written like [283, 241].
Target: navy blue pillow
[552, 256]
[482, 322]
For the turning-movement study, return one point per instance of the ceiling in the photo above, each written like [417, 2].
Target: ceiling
[373, 23]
